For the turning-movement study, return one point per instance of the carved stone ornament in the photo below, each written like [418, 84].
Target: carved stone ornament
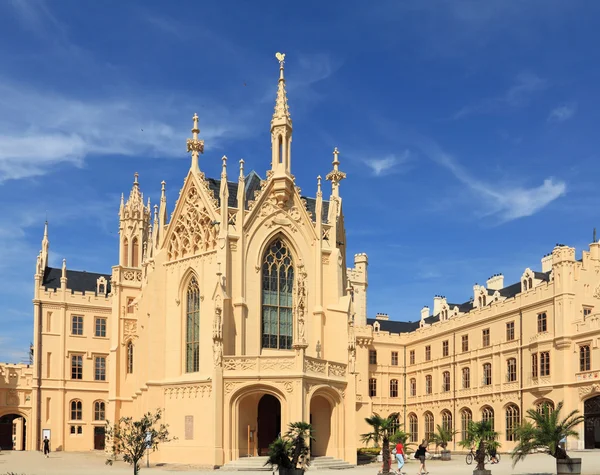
[193, 231]
[129, 330]
[276, 364]
[218, 353]
[300, 305]
[218, 323]
[336, 369]
[12, 398]
[597, 292]
[584, 390]
[230, 386]
[315, 366]
[239, 364]
[287, 385]
[132, 275]
[188, 392]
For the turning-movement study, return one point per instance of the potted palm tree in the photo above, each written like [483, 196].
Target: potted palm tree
[546, 430]
[483, 436]
[441, 439]
[290, 453]
[383, 428]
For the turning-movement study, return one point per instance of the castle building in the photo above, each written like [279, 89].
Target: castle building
[238, 314]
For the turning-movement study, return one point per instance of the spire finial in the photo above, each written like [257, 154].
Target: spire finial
[282, 110]
[335, 176]
[46, 230]
[241, 168]
[319, 186]
[194, 145]
[594, 237]
[224, 166]
[136, 175]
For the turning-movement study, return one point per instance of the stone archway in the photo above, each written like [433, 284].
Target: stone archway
[256, 421]
[591, 414]
[13, 432]
[320, 419]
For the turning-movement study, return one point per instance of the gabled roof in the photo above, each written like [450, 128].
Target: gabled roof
[77, 281]
[311, 206]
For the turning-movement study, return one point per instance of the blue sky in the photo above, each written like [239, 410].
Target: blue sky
[468, 129]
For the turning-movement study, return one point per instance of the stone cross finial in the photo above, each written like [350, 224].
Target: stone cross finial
[136, 175]
[335, 176]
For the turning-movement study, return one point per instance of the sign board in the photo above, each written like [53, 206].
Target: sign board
[148, 439]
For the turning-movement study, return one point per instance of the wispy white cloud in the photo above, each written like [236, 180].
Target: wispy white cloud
[526, 84]
[506, 202]
[562, 113]
[392, 163]
[41, 129]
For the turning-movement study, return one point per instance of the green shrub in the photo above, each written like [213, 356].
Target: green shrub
[369, 451]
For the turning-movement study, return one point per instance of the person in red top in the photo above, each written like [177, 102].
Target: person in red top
[400, 456]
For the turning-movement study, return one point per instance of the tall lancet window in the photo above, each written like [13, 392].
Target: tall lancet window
[192, 332]
[277, 287]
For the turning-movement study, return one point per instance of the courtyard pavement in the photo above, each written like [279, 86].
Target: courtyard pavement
[92, 463]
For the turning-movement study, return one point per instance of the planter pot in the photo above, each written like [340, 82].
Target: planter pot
[482, 472]
[291, 471]
[446, 455]
[568, 467]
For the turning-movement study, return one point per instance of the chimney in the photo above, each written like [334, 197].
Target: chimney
[438, 300]
[424, 312]
[495, 282]
[382, 316]
[547, 263]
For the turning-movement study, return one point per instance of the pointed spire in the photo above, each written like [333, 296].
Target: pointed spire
[194, 145]
[335, 176]
[224, 167]
[282, 110]
[135, 200]
[45, 247]
[63, 275]
[319, 192]
[241, 169]
[594, 237]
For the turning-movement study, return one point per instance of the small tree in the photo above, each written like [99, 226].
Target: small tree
[482, 435]
[443, 436]
[383, 429]
[298, 434]
[131, 438]
[545, 431]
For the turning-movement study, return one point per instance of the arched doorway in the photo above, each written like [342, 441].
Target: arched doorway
[13, 432]
[591, 414]
[268, 422]
[320, 418]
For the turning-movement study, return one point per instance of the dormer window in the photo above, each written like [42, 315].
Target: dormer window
[376, 327]
[101, 286]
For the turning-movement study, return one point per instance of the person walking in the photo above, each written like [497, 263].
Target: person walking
[46, 443]
[420, 455]
[400, 457]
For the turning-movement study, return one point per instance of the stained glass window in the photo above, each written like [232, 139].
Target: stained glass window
[192, 335]
[277, 288]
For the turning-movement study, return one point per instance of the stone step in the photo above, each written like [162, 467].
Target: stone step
[328, 463]
[248, 464]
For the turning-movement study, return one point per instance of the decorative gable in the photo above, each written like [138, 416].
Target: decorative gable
[193, 229]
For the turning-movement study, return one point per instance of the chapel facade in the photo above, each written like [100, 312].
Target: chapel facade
[238, 314]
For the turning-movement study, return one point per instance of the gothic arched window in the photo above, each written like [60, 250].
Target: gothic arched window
[512, 421]
[192, 332]
[466, 417]
[126, 252]
[487, 414]
[99, 411]
[277, 287]
[130, 357]
[135, 250]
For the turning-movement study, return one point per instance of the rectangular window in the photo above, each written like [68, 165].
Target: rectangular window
[372, 357]
[100, 327]
[48, 364]
[466, 378]
[100, 368]
[545, 363]
[486, 337]
[542, 323]
[428, 353]
[510, 331]
[77, 325]
[394, 388]
[511, 370]
[413, 387]
[394, 358]
[412, 356]
[487, 374]
[428, 384]
[465, 343]
[129, 304]
[587, 311]
[534, 365]
[585, 363]
[372, 387]
[49, 322]
[446, 381]
[76, 366]
[445, 348]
